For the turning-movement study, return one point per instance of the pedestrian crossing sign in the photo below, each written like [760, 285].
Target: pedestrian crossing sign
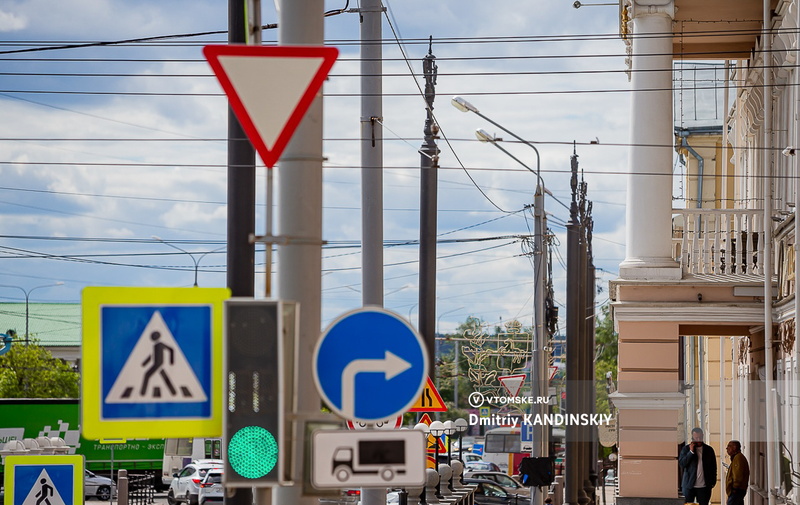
[43, 480]
[152, 362]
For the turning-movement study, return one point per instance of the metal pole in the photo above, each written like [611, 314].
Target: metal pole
[241, 204]
[572, 468]
[299, 268]
[371, 173]
[773, 466]
[429, 164]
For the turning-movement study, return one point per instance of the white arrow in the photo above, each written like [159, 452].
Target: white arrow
[391, 365]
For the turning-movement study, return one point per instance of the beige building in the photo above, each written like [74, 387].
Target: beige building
[705, 304]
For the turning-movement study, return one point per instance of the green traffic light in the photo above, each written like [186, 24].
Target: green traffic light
[252, 452]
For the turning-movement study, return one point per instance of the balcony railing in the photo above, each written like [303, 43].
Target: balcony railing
[719, 241]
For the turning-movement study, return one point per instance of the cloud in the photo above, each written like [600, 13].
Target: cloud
[10, 22]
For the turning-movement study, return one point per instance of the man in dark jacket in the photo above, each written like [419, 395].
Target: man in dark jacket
[699, 464]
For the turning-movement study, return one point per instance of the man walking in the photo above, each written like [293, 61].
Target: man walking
[699, 464]
[738, 477]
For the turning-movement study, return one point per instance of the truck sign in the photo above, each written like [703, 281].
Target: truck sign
[368, 458]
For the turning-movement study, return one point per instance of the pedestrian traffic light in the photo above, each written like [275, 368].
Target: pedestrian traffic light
[254, 399]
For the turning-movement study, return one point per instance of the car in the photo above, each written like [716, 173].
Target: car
[505, 481]
[481, 466]
[185, 485]
[488, 492]
[211, 488]
[97, 486]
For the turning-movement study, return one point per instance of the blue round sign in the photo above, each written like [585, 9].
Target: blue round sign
[370, 365]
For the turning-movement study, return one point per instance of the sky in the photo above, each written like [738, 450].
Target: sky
[104, 148]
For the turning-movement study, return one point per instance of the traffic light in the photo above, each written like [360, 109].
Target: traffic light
[254, 393]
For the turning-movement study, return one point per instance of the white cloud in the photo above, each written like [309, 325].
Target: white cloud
[10, 22]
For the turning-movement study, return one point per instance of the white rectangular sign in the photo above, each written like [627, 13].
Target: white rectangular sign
[367, 458]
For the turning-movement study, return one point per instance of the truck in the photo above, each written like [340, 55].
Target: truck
[32, 418]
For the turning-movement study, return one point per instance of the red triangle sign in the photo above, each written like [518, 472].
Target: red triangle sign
[270, 88]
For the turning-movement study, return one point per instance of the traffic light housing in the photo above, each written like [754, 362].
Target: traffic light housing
[254, 392]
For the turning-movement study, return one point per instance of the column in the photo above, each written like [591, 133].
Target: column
[649, 200]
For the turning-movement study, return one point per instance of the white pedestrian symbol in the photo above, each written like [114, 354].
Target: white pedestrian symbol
[43, 492]
[156, 371]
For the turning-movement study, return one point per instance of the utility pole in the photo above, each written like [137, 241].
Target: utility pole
[300, 260]
[429, 165]
[241, 205]
[371, 173]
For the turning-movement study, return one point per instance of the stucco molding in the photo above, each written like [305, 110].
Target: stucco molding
[648, 401]
[689, 313]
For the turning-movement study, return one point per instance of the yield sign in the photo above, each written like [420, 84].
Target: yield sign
[512, 383]
[270, 89]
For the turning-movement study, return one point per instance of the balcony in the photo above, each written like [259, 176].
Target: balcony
[719, 242]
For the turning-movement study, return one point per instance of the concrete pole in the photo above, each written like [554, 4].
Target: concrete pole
[649, 197]
[539, 376]
[371, 153]
[371, 174]
[299, 184]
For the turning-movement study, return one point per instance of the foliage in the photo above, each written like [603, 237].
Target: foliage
[30, 371]
[605, 358]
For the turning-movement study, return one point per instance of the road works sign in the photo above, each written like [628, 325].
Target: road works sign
[152, 358]
[270, 89]
[43, 480]
[367, 458]
[370, 365]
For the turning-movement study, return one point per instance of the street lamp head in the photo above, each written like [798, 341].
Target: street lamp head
[461, 104]
[422, 427]
[437, 428]
[461, 425]
[449, 428]
[485, 136]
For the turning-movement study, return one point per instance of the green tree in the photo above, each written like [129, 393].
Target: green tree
[605, 359]
[31, 371]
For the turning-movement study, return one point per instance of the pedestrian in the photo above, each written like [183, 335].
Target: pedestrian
[738, 477]
[699, 464]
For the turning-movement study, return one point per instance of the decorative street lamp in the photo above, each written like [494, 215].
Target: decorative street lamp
[461, 428]
[426, 431]
[437, 430]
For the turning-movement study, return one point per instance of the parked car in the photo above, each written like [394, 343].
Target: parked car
[97, 486]
[481, 466]
[505, 481]
[488, 492]
[185, 486]
[211, 488]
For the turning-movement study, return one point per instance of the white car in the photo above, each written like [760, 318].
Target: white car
[211, 488]
[185, 486]
[97, 486]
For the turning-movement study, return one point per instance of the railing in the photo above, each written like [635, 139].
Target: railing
[719, 241]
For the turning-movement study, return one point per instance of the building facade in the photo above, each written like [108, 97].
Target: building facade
[705, 304]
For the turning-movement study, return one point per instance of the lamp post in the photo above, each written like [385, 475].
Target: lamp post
[450, 430]
[196, 261]
[425, 429]
[461, 428]
[437, 430]
[538, 361]
[27, 301]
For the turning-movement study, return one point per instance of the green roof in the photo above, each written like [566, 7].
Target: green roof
[53, 324]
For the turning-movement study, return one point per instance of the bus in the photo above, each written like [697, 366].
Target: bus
[179, 452]
[503, 447]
